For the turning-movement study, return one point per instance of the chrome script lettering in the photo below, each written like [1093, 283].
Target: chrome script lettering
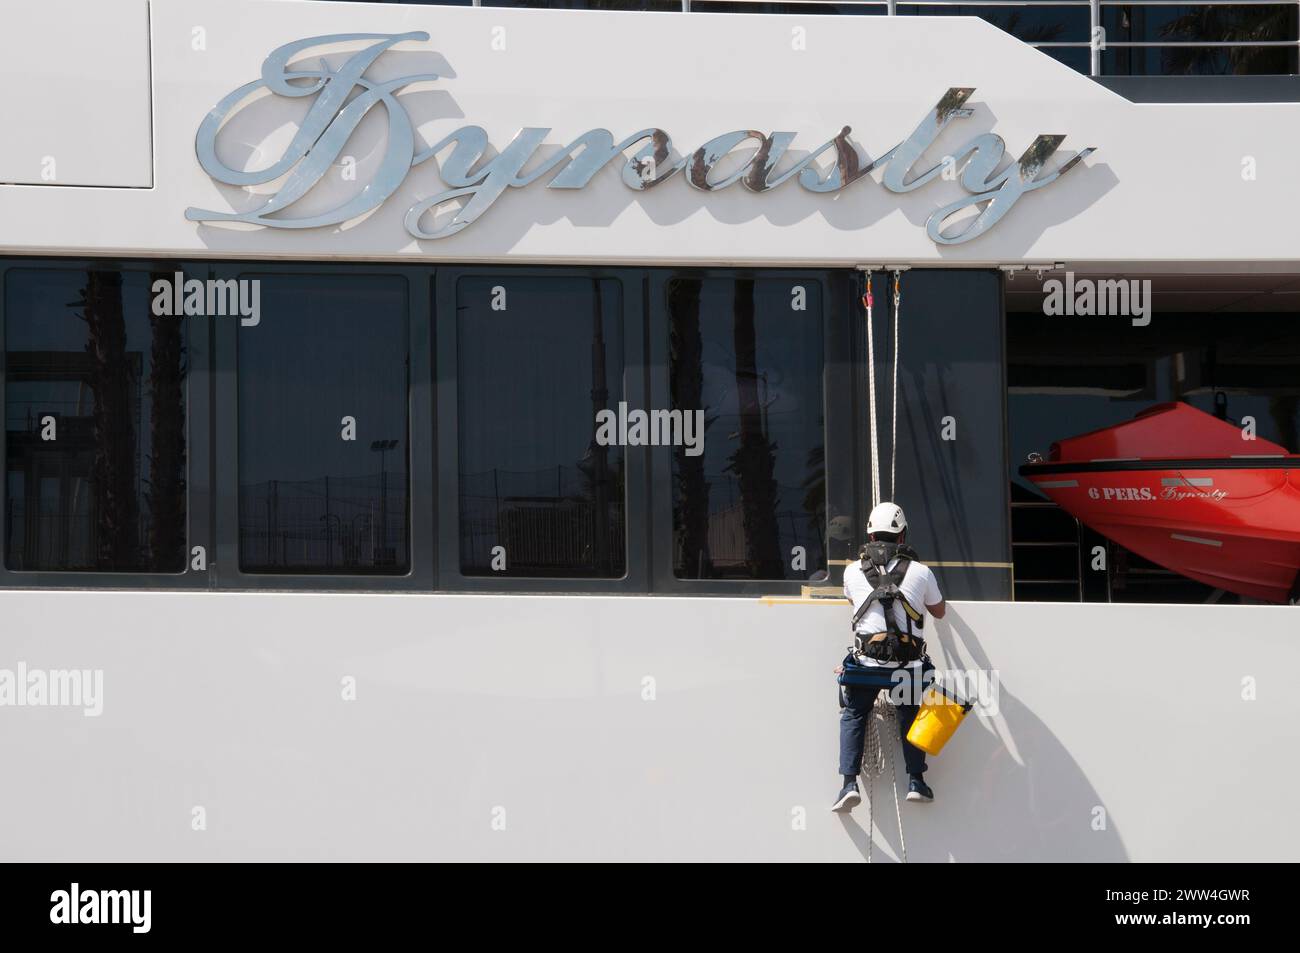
[475, 184]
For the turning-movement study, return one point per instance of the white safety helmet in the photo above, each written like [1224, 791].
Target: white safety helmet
[886, 518]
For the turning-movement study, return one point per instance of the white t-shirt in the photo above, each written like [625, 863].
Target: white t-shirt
[919, 587]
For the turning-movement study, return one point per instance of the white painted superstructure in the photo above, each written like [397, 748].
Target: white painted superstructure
[494, 726]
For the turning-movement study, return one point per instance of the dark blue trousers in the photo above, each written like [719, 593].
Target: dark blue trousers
[859, 700]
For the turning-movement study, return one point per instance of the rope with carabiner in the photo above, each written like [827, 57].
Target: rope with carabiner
[893, 433]
[868, 301]
[877, 758]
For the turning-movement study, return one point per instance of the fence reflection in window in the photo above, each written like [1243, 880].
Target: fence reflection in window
[538, 359]
[1182, 25]
[748, 353]
[95, 424]
[323, 455]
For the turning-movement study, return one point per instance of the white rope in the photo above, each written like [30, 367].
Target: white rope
[871, 396]
[893, 434]
[878, 756]
[877, 759]
[877, 488]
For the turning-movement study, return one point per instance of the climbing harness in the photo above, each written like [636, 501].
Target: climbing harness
[868, 301]
[894, 644]
[877, 759]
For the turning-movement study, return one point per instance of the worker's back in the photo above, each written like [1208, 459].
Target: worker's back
[918, 586]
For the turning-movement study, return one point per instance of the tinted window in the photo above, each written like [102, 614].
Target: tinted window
[1189, 23]
[540, 367]
[749, 499]
[323, 458]
[432, 3]
[659, 5]
[95, 424]
[552, 4]
[1238, 23]
[1032, 24]
[1198, 61]
[798, 8]
[1072, 56]
[951, 436]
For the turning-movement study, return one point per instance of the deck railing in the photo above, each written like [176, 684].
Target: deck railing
[1264, 35]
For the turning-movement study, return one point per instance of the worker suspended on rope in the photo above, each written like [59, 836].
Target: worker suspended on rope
[891, 591]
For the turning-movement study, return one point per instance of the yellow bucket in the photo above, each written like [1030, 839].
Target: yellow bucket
[937, 719]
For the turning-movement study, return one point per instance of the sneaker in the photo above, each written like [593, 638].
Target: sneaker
[918, 790]
[849, 798]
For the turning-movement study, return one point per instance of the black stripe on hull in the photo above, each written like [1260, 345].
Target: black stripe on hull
[1205, 463]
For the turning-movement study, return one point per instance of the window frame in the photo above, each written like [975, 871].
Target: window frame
[839, 428]
[636, 579]
[421, 572]
[197, 439]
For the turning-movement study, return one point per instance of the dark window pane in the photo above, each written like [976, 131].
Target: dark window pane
[751, 364]
[431, 3]
[1032, 24]
[539, 359]
[311, 501]
[797, 9]
[669, 5]
[1074, 57]
[1198, 61]
[1191, 24]
[658, 5]
[95, 424]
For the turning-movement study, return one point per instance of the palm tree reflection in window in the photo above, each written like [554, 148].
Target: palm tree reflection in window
[1231, 24]
[686, 385]
[741, 354]
[165, 496]
[754, 461]
[96, 442]
[594, 465]
[540, 496]
[113, 430]
[114, 379]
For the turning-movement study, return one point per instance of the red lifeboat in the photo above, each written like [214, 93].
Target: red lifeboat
[1189, 492]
